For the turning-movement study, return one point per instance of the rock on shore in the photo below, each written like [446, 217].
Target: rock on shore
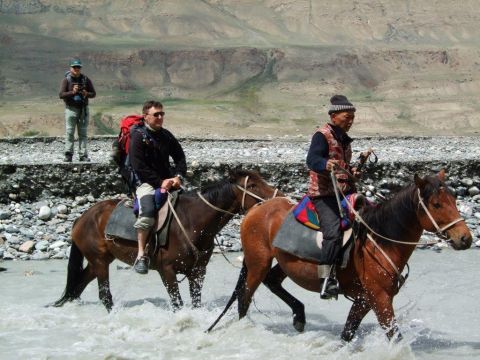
[40, 196]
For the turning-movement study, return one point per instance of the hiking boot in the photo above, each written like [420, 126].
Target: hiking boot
[68, 157]
[84, 158]
[141, 265]
[330, 290]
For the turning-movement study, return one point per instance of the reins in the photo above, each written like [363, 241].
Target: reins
[245, 192]
[440, 231]
[189, 241]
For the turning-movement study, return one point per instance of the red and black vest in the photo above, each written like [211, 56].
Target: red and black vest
[321, 183]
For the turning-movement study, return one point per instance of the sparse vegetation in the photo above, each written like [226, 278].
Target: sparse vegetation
[103, 124]
[31, 133]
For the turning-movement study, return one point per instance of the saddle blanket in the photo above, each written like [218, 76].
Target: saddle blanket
[121, 221]
[302, 241]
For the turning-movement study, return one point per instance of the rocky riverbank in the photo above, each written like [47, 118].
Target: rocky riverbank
[40, 196]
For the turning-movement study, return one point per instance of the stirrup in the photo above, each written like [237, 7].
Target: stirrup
[330, 289]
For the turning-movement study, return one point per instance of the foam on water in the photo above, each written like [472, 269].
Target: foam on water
[435, 323]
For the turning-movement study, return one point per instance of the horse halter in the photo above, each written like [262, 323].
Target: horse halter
[245, 192]
[440, 230]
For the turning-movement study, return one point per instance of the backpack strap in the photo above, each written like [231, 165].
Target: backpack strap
[142, 129]
[83, 79]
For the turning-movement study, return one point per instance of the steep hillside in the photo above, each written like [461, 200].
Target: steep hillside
[245, 68]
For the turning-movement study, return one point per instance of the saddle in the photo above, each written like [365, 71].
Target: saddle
[121, 221]
[300, 232]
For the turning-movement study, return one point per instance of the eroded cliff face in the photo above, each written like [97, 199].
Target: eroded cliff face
[409, 67]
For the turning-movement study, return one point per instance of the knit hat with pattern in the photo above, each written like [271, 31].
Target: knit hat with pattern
[340, 103]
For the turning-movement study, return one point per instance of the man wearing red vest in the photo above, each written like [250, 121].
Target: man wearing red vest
[330, 149]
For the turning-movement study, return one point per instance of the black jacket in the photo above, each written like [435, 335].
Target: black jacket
[150, 154]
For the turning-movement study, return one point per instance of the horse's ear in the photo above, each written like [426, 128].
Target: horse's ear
[420, 182]
[442, 175]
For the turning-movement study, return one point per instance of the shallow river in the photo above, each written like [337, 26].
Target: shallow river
[438, 312]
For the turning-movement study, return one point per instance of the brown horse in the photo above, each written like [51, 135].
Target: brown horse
[202, 217]
[384, 241]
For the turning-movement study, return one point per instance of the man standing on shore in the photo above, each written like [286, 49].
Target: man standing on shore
[75, 90]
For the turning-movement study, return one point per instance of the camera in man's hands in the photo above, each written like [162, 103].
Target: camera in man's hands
[78, 97]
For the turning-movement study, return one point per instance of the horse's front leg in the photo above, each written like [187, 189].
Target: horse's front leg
[359, 309]
[195, 280]
[102, 272]
[382, 305]
[169, 278]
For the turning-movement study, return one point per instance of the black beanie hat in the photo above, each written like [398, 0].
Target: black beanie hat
[340, 103]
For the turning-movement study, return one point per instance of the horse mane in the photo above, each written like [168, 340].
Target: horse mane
[396, 214]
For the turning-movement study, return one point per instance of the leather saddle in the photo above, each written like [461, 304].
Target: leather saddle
[121, 221]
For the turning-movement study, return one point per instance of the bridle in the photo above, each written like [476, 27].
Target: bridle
[245, 192]
[440, 230]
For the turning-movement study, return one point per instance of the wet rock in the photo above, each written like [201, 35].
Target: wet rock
[473, 191]
[57, 244]
[12, 240]
[40, 256]
[62, 209]
[27, 246]
[12, 229]
[42, 245]
[8, 256]
[44, 213]
[4, 215]
[27, 233]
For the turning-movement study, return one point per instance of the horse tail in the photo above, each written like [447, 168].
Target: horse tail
[239, 290]
[74, 274]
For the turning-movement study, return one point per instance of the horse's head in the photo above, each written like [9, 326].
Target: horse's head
[250, 188]
[438, 211]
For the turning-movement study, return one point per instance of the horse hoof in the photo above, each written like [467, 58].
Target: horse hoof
[299, 325]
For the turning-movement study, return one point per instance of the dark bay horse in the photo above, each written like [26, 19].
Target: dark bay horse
[202, 217]
[384, 242]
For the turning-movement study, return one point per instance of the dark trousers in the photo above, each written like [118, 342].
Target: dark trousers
[329, 218]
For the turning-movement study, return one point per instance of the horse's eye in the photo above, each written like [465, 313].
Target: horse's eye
[437, 205]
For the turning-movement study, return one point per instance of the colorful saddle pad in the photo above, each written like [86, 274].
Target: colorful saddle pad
[306, 214]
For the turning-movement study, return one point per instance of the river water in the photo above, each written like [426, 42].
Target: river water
[438, 312]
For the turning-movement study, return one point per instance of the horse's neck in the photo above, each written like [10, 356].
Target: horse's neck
[397, 218]
[205, 220]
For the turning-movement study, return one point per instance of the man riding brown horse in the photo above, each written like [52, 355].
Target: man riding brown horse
[330, 150]
[150, 148]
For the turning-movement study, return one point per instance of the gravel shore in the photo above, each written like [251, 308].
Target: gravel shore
[39, 228]
[50, 150]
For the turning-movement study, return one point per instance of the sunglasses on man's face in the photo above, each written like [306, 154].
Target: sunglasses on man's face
[159, 113]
